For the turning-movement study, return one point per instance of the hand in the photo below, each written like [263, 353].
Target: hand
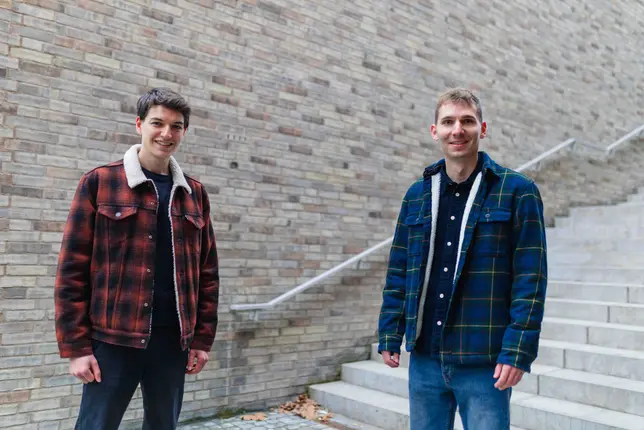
[85, 369]
[201, 357]
[391, 359]
[507, 376]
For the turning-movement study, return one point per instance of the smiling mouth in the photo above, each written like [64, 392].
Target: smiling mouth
[166, 144]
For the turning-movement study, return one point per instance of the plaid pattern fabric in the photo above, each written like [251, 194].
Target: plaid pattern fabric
[105, 274]
[496, 309]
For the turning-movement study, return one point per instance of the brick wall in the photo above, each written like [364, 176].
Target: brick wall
[310, 120]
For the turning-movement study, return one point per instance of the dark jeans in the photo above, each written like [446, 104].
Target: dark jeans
[436, 389]
[160, 368]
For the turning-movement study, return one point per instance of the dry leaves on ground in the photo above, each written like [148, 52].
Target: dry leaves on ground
[254, 417]
[306, 408]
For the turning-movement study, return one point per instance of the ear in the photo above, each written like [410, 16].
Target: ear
[483, 129]
[434, 133]
[139, 123]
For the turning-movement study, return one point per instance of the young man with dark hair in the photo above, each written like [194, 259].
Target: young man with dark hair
[467, 277]
[137, 285]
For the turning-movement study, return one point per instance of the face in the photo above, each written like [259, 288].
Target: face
[458, 130]
[161, 132]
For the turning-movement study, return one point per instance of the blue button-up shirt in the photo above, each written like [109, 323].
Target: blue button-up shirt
[453, 199]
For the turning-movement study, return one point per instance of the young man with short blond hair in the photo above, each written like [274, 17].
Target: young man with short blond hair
[467, 277]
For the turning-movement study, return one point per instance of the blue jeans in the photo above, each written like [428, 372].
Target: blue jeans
[160, 368]
[435, 390]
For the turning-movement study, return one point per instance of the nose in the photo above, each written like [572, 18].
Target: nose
[458, 128]
[166, 132]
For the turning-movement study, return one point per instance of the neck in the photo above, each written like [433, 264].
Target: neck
[154, 164]
[459, 170]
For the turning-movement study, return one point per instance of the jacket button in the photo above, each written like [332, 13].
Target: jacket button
[142, 340]
[145, 305]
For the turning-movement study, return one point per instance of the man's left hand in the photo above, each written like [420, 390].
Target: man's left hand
[507, 376]
[196, 361]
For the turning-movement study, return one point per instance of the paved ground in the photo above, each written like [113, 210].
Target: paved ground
[274, 421]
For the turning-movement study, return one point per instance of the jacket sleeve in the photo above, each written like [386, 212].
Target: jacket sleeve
[391, 324]
[207, 319]
[72, 290]
[530, 271]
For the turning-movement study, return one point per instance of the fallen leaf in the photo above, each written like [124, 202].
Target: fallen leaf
[254, 417]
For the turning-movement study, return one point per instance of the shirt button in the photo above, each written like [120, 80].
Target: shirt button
[145, 305]
[445, 269]
[487, 215]
[452, 217]
[449, 243]
[441, 296]
[118, 214]
[150, 237]
[458, 194]
[439, 323]
[142, 340]
[149, 270]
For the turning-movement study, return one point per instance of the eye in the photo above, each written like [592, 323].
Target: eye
[447, 121]
[177, 127]
[469, 121]
[155, 123]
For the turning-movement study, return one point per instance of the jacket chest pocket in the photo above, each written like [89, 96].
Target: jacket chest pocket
[415, 235]
[192, 230]
[493, 232]
[118, 223]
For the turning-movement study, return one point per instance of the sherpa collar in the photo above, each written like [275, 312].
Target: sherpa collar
[136, 177]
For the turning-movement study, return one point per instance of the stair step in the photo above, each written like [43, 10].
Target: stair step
[609, 335]
[600, 291]
[585, 273]
[369, 406]
[529, 411]
[598, 257]
[601, 311]
[622, 363]
[618, 394]
[579, 242]
[363, 404]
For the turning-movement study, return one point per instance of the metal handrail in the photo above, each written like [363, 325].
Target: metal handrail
[356, 258]
[308, 284]
[638, 131]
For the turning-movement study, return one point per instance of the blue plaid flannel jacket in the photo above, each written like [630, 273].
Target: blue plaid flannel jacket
[499, 287]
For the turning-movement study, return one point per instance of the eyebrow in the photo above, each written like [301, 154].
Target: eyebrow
[159, 119]
[453, 116]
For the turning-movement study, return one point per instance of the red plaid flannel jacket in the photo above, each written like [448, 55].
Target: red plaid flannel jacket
[105, 270]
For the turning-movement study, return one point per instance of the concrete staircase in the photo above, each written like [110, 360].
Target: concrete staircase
[590, 370]
[586, 177]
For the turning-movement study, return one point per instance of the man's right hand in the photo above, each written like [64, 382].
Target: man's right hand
[391, 360]
[85, 369]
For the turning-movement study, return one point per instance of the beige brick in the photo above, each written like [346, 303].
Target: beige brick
[102, 61]
[27, 54]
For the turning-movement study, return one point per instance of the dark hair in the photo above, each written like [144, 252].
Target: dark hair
[166, 98]
[459, 95]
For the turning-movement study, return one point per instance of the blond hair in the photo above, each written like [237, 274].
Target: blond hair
[459, 95]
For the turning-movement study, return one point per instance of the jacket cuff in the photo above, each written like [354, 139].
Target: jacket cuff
[75, 350]
[391, 343]
[202, 343]
[518, 360]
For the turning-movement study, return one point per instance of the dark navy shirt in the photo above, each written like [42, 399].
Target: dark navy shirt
[164, 310]
[453, 198]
